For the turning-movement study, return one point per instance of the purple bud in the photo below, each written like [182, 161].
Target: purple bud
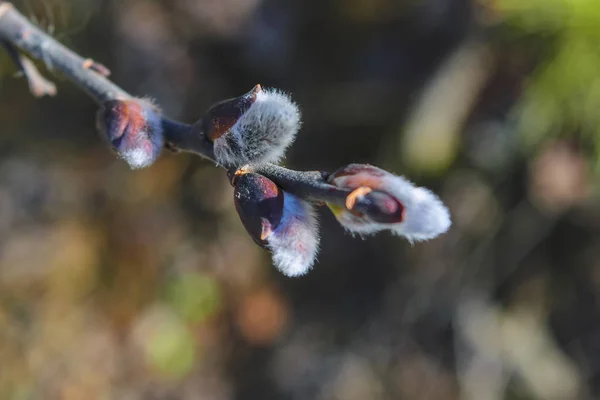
[255, 127]
[133, 129]
[379, 206]
[277, 221]
[381, 200]
[259, 203]
[221, 117]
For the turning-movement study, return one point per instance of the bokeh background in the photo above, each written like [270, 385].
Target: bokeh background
[119, 284]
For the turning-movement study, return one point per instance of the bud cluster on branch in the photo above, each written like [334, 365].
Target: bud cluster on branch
[245, 135]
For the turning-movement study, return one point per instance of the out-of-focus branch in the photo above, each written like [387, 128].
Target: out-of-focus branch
[38, 85]
[20, 34]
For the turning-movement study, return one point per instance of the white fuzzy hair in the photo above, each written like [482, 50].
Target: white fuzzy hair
[295, 242]
[262, 133]
[145, 151]
[137, 158]
[425, 216]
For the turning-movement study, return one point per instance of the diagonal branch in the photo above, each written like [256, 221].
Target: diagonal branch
[19, 33]
[38, 85]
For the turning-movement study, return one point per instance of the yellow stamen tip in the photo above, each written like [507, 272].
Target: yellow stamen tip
[352, 197]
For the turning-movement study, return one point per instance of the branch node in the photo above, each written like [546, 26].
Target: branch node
[96, 67]
[38, 85]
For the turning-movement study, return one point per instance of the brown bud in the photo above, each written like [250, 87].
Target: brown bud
[259, 203]
[256, 127]
[133, 128]
[221, 117]
[379, 206]
[380, 200]
[365, 200]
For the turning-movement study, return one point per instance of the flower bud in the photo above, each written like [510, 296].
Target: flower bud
[381, 200]
[133, 129]
[255, 127]
[259, 203]
[277, 221]
[379, 206]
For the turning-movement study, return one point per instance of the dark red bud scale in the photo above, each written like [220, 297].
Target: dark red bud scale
[378, 206]
[259, 203]
[118, 117]
[221, 117]
[356, 169]
[133, 129]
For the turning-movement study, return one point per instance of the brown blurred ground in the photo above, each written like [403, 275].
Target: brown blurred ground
[143, 285]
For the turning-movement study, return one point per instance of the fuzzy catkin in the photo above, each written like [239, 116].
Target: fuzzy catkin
[262, 133]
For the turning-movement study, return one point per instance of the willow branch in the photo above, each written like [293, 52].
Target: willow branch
[38, 85]
[19, 33]
[309, 185]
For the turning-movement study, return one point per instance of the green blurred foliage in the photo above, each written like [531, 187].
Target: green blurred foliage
[194, 296]
[562, 98]
[171, 350]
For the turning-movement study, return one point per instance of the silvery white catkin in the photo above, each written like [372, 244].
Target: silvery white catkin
[278, 221]
[424, 216]
[295, 242]
[262, 133]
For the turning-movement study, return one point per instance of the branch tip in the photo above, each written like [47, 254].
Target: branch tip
[39, 86]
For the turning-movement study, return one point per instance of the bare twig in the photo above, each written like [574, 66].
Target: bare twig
[310, 185]
[19, 33]
[38, 85]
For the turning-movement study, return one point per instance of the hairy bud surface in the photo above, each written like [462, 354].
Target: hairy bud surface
[133, 130]
[381, 200]
[278, 221]
[255, 127]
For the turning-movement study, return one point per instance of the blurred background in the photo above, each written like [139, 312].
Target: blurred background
[119, 284]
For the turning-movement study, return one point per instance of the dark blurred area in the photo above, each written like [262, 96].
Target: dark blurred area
[119, 284]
